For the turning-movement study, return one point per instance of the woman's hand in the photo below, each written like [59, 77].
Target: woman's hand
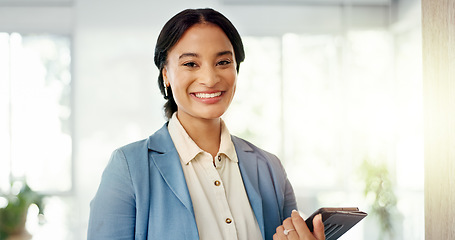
[295, 228]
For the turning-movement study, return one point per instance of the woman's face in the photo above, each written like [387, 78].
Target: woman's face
[201, 71]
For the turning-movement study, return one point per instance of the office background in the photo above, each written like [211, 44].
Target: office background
[333, 87]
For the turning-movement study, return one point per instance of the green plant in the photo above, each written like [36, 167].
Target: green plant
[14, 214]
[379, 188]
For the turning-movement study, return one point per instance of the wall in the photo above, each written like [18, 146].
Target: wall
[54, 19]
[439, 105]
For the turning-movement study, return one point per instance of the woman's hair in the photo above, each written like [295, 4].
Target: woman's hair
[173, 31]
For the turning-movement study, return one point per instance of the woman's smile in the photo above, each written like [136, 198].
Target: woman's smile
[207, 95]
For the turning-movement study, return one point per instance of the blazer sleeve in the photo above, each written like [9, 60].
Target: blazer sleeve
[289, 198]
[113, 210]
[285, 190]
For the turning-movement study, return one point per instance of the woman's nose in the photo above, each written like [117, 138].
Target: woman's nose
[209, 77]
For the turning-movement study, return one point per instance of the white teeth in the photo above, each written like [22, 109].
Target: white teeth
[207, 95]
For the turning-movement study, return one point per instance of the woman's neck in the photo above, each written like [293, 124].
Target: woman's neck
[206, 133]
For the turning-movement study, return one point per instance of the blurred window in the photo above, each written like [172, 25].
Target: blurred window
[35, 111]
[328, 104]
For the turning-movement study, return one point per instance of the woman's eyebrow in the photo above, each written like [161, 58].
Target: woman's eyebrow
[225, 53]
[188, 55]
[183, 55]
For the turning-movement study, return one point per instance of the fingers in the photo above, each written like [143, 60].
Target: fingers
[279, 233]
[300, 225]
[289, 226]
[297, 228]
[318, 230]
[275, 236]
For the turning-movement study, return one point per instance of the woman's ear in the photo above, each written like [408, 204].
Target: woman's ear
[165, 79]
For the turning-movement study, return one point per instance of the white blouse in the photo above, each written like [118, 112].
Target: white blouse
[220, 202]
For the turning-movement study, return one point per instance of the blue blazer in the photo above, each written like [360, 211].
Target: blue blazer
[143, 192]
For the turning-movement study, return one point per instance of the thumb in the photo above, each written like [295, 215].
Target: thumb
[318, 227]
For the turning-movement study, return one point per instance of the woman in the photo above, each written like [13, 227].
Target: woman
[192, 179]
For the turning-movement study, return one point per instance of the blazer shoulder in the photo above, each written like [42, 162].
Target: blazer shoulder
[134, 146]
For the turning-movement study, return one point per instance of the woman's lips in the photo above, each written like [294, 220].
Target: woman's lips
[208, 97]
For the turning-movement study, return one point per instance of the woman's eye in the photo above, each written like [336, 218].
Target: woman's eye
[224, 62]
[190, 64]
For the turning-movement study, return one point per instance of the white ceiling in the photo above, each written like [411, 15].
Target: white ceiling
[228, 2]
[310, 2]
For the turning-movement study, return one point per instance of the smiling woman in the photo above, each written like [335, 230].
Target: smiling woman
[192, 179]
[201, 71]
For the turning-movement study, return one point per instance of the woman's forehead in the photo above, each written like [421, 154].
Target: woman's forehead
[202, 38]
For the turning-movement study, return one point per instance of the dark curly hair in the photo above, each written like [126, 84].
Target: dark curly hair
[173, 31]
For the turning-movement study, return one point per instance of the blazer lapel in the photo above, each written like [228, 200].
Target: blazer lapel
[165, 157]
[167, 161]
[248, 164]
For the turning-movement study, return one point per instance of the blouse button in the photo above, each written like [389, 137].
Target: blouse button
[228, 220]
[217, 183]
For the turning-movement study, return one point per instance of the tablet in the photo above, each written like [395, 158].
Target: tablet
[337, 221]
